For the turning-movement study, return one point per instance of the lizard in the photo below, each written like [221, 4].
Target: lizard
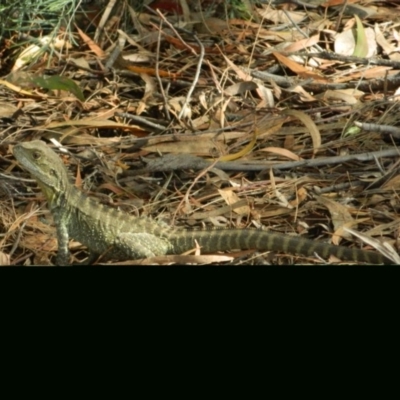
[119, 235]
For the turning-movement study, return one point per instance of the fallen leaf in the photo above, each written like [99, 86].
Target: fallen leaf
[281, 16]
[340, 216]
[309, 123]
[4, 259]
[56, 82]
[298, 69]
[7, 110]
[231, 198]
[282, 152]
[361, 47]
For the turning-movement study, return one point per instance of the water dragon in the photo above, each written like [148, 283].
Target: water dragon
[105, 230]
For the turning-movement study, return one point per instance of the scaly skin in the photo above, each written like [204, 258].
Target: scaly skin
[105, 230]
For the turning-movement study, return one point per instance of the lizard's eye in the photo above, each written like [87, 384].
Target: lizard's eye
[36, 155]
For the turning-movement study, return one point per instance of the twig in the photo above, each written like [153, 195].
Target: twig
[316, 162]
[196, 77]
[141, 120]
[115, 53]
[199, 64]
[190, 48]
[286, 82]
[163, 94]
[319, 48]
[186, 197]
[340, 17]
[347, 59]
[193, 162]
[384, 129]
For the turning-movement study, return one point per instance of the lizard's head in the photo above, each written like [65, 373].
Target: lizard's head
[44, 165]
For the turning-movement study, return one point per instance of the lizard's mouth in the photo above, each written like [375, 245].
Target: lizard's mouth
[20, 155]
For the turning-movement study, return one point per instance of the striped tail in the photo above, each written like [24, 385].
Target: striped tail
[242, 239]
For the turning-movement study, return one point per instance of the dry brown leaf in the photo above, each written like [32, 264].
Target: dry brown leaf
[212, 26]
[303, 43]
[177, 103]
[78, 177]
[206, 144]
[281, 197]
[340, 216]
[28, 54]
[231, 198]
[304, 96]
[309, 123]
[239, 72]
[213, 214]
[267, 98]
[298, 68]
[39, 242]
[93, 122]
[391, 51]
[393, 183]
[19, 90]
[141, 107]
[124, 64]
[280, 16]
[282, 152]
[7, 110]
[194, 146]
[141, 57]
[80, 62]
[301, 195]
[281, 36]
[91, 44]
[332, 3]
[201, 122]
[384, 248]
[348, 96]
[4, 259]
[239, 88]
[370, 72]
[247, 149]
[269, 126]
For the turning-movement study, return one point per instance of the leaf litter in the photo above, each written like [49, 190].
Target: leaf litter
[269, 120]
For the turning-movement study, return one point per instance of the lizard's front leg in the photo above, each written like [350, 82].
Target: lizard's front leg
[63, 239]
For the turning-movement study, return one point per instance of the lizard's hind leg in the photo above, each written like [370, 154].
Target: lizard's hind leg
[141, 245]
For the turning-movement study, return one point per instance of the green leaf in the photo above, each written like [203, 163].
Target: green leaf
[56, 82]
[361, 47]
[352, 131]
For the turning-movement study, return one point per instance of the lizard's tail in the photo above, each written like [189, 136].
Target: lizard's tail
[235, 239]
